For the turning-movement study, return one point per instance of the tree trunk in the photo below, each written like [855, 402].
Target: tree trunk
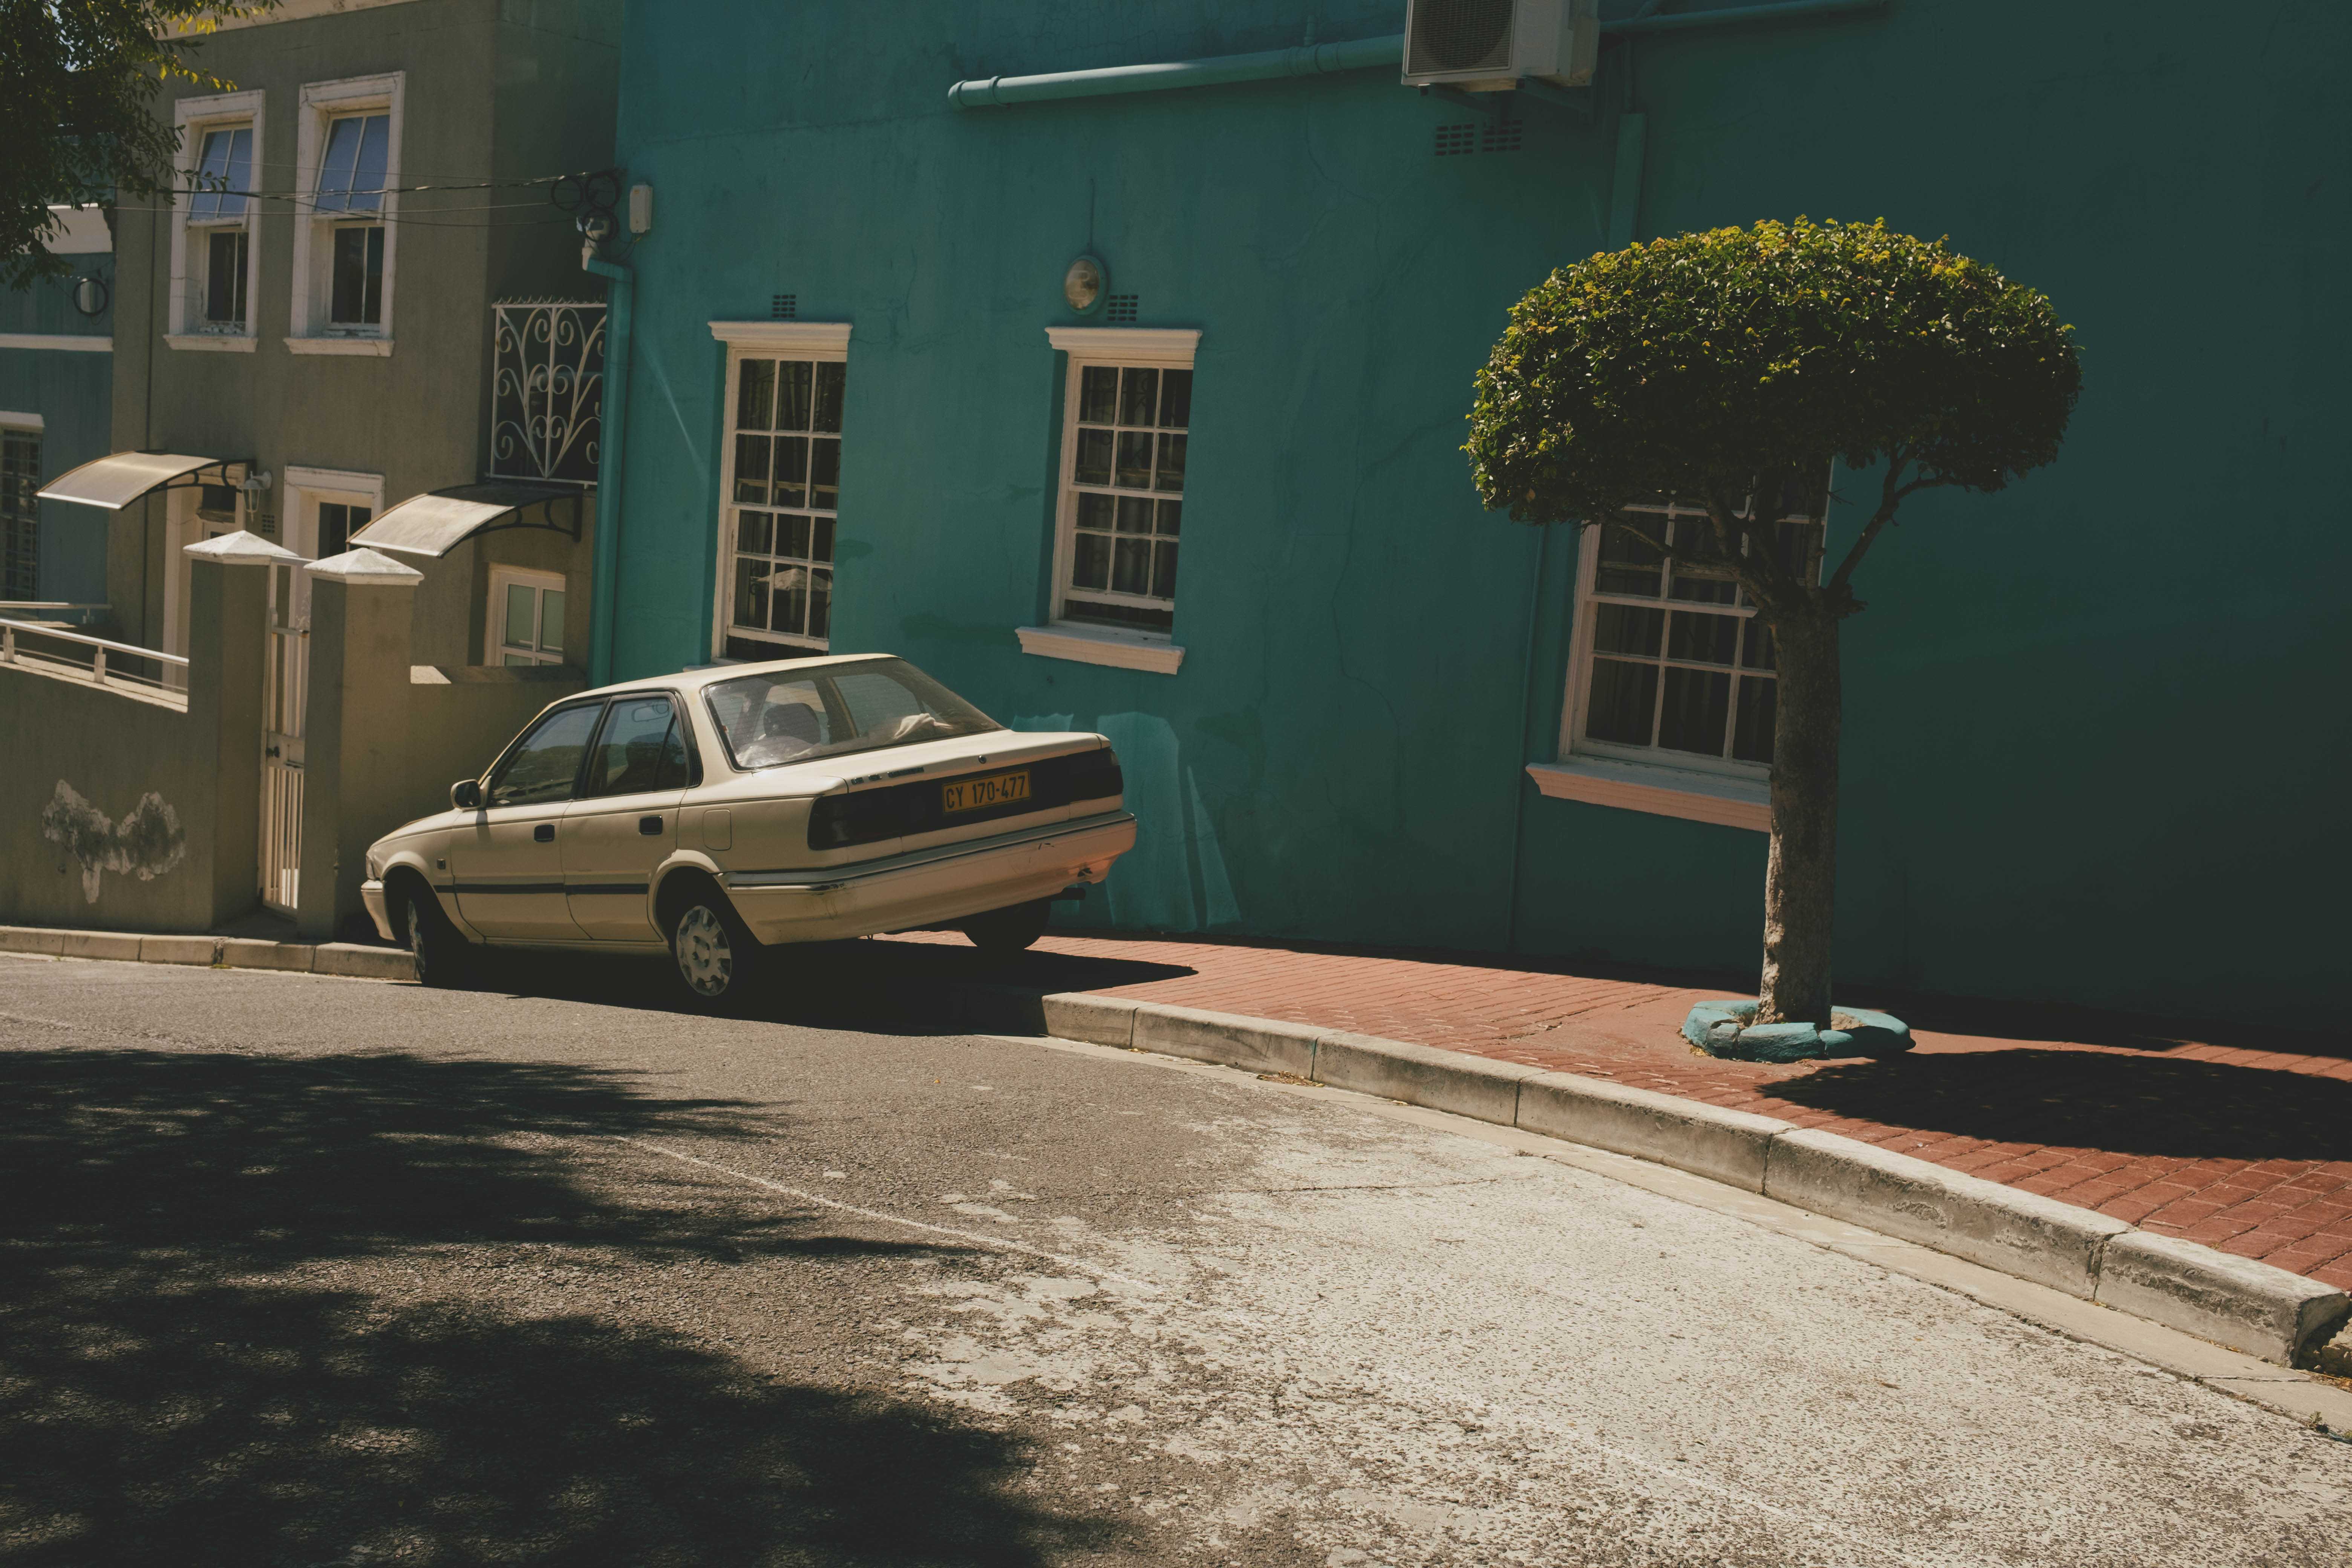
[1800, 876]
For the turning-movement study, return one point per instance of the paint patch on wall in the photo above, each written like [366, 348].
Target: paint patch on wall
[145, 844]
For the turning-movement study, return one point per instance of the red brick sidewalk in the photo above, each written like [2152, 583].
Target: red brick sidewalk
[2242, 1142]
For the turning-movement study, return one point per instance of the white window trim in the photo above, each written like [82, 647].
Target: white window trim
[494, 624]
[191, 118]
[1166, 348]
[322, 102]
[1659, 791]
[809, 340]
[23, 424]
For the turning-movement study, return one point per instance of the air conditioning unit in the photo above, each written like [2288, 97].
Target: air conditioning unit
[1491, 45]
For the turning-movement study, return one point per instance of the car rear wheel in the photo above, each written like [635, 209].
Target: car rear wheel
[1008, 931]
[720, 962]
[438, 955]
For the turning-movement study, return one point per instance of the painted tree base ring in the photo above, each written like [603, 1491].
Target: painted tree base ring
[1727, 1029]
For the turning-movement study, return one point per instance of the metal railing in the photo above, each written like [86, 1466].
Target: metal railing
[171, 677]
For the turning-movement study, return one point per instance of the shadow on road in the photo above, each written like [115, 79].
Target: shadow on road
[2124, 1104]
[208, 1353]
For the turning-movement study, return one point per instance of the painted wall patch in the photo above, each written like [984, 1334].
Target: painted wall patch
[145, 844]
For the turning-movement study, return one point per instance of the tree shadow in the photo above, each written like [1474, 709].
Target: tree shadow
[2123, 1104]
[201, 1359]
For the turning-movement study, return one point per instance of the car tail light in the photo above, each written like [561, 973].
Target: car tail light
[1095, 775]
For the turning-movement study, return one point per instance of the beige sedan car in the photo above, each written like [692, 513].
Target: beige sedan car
[722, 813]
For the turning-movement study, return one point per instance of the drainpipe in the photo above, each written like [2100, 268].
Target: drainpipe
[605, 591]
[1319, 59]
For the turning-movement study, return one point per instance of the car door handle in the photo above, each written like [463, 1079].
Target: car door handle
[544, 833]
[650, 826]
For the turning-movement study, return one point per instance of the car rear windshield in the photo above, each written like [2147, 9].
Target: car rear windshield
[779, 717]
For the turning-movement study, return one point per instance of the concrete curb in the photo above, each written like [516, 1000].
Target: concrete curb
[2247, 1306]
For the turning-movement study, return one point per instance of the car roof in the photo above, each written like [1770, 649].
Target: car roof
[707, 675]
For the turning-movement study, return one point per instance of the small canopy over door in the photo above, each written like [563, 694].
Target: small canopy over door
[436, 522]
[114, 482]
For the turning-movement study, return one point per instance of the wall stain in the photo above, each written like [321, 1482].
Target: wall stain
[145, 844]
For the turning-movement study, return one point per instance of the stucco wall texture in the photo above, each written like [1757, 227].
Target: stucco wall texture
[2089, 749]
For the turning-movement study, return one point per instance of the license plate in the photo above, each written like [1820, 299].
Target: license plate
[975, 795]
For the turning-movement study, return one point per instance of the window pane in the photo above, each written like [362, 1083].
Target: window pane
[341, 163]
[1163, 570]
[820, 615]
[239, 173]
[1623, 698]
[512, 660]
[1697, 704]
[210, 176]
[371, 310]
[1139, 396]
[751, 467]
[1093, 465]
[367, 184]
[550, 620]
[1133, 617]
[1098, 395]
[1700, 588]
[225, 254]
[1095, 512]
[1091, 567]
[1751, 739]
[792, 537]
[632, 748]
[1703, 639]
[820, 548]
[1135, 459]
[521, 616]
[1175, 399]
[1134, 515]
[1169, 476]
[791, 471]
[543, 767]
[358, 265]
[755, 533]
[1756, 652]
[788, 600]
[832, 385]
[1130, 566]
[793, 394]
[755, 396]
[751, 594]
[1627, 566]
[824, 474]
[1626, 629]
[1171, 514]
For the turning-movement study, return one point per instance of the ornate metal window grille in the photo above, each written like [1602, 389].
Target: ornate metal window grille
[547, 389]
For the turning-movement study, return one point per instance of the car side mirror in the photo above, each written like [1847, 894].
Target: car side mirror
[466, 795]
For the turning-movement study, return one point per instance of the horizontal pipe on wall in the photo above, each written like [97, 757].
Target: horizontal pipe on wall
[1321, 59]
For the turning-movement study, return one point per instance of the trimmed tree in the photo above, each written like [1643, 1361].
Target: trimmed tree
[1729, 369]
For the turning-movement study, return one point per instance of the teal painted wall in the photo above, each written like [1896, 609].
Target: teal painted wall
[2091, 730]
[71, 390]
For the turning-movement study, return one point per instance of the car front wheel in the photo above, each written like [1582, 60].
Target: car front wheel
[719, 960]
[438, 955]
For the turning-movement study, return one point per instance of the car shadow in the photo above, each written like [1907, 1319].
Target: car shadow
[201, 1359]
[2122, 1104]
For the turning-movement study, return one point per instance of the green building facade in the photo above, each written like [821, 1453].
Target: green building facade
[2094, 745]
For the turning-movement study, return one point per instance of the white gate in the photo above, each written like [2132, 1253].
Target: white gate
[284, 699]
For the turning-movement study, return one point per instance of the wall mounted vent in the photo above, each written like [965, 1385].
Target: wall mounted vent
[1453, 141]
[1120, 308]
[1491, 45]
[1502, 138]
[785, 307]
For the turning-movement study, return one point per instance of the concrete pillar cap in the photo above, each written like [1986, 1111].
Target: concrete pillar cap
[241, 549]
[366, 568]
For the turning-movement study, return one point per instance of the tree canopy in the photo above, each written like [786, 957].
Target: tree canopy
[1704, 364]
[78, 79]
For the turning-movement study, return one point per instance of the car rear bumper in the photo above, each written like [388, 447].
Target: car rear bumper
[930, 887]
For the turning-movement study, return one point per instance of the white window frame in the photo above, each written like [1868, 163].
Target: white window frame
[323, 103]
[298, 531]
[826, 342]
[1689, 784]
[494, 623]
[191, 118]
[1147, 348]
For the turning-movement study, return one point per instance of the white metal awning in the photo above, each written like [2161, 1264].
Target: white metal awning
[114, 482]
[436, 522]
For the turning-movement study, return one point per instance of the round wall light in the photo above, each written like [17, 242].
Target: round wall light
[89, 296]
[1083, 284]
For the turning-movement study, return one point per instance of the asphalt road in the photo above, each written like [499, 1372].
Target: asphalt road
[298, 1270]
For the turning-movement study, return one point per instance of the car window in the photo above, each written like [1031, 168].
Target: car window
[767, 720]
[546, 760]
[639, 748]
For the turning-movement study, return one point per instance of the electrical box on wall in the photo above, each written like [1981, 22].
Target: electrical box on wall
[1491, 45]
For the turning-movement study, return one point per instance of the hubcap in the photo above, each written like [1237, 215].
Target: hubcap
[416, 937]
[706, 958]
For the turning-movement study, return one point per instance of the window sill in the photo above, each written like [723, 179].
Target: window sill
[215, 343]
[1100, 645]
[369, 348]
[1694, 796]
